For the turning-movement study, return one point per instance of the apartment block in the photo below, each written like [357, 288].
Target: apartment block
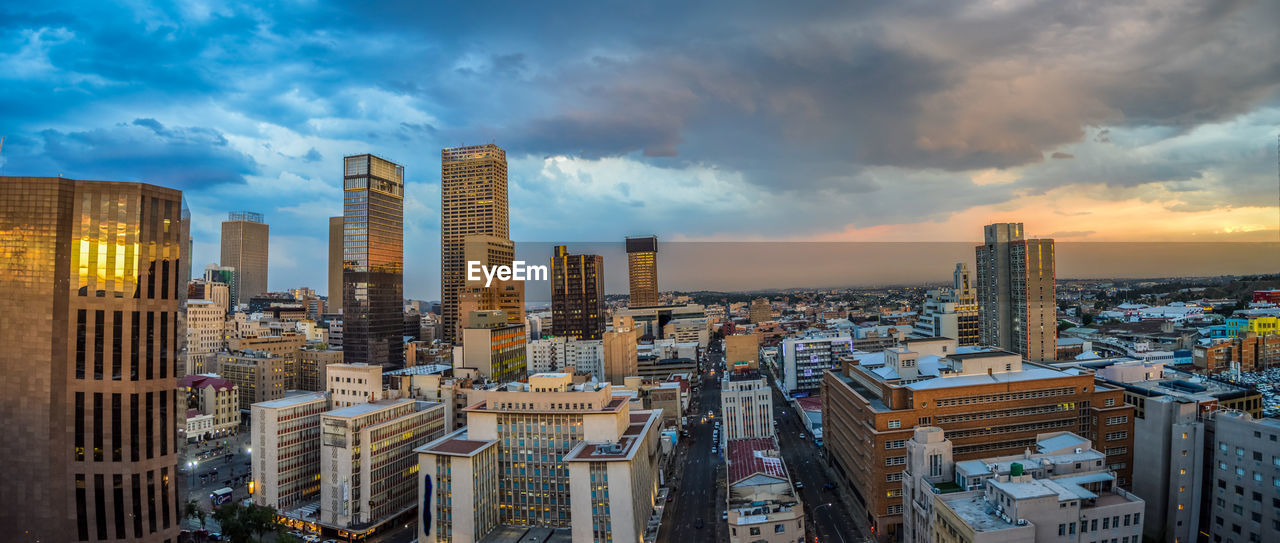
[286, 450]
[368, 467]
[1017, 293]
[805, 359]
[989, 402]
[762, 504]
[1250, 352]
[548, 454]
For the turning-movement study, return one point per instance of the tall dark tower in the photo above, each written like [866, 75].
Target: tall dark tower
[373, 261]
[577, 295]
[642, 270]
[91, 296]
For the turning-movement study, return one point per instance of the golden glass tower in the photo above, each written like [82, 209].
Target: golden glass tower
[92, 297]
[373, 261]
[473, 201]
[642, 270]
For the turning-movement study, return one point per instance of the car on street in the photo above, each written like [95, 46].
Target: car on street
[724, 515]
[801, 436]
[799, 485]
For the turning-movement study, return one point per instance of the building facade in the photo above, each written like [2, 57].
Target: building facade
[560, 353]
[642, 271]
[336, 227]
[204, 335]
[621, 358]
[353, 384]
[92, 291]
[494, 347]
[212, 396]
[286, 450]
[473, 201]
[951, 312]
[313, 362]
[746, 402]
[1246, 479]
[760, 311]
[258, 375]
[762, 507]
[245, 243]
[1249, 352]
[373, 261]
[577, 295]
[549, 454]
[1017, 293]
[805, 359]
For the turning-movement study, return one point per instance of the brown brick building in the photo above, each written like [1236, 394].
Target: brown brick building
[1251, 353]
[990, 403]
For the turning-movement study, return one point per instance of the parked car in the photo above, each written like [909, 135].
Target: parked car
[799, 485]
[724, 515]
[801, 436]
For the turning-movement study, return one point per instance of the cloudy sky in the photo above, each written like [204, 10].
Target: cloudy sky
[851, 121]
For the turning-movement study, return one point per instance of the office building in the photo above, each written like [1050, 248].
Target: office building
[760, 311]
[473, 201]
[204, 335]
[989, 401]
[494, 347]
[228, 276]
[951, 312]
[506, 295]
[286, 345]
[548, 454]
[245, 242]
[1246, 479]
[746, 403]
[353, 384]
[217, 293]
[805, 359]
[652, 321]
[577, 295]
[560, 353]
[258, 375]
[1059, 491]
[92, 294]
[1017, 300]
[286, 450]
[621, 358]
[642, 271]
[373, 261]
[763, 506]
[742, 350]
[213, 397]
[367, 474]
[313, 363]
[336, 227]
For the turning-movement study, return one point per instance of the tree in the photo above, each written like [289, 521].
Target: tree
[246, 524]
[194, 511]
[1086, 319]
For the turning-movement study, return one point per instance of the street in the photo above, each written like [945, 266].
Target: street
[699, 493]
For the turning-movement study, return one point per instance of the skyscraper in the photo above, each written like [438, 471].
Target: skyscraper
[577, 295]
[91, 293]
[228, 276]
[373, 261]
[335, 265]
[642, 270]
[244, 247]
[1017, 295]
[473, 200]
[506, 295]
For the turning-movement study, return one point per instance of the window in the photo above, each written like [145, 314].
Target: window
[1115, 436]
[779, 528]
[1120, 420]
[895, 460]
[895, 424]
[755, 531]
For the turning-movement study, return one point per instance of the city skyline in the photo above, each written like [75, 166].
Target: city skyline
[1075, 145]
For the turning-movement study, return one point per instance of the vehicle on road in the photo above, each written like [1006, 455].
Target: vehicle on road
[801, 436]
[311, 538]
[799, 485]
[724, 515]
[220, 496]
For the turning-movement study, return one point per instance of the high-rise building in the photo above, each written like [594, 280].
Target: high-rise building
[577, 294]
[91, 292]
[989, 401]
[590, 465]
[228, 276]
[494, 347]
[473, 201]
[1246, 479]
[805, 359]
[506, 295]
[204, 335]
[746, 401]
[760, 311]
[1017, 293]
[335, 264]
[621, 357]
[373, 261]
[642, 271]
[286, 450]
[245, 239]
[951, 312]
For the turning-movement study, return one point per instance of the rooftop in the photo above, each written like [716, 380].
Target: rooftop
[290, 401]
[986, 379]
[455, 444]
[748, 457]
[366, 408]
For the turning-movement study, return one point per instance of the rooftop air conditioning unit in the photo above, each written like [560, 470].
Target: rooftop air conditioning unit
[1022, 522]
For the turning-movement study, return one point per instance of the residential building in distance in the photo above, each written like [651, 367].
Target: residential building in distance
[1249, 352]
[989, 401]
[558, 353]
[214, 397]
[1061, 492]
[642, 271]
[577, 294]
[746, 403]
[286, 450]
[259, 376]
[245, 242]
[1017, 296]
[335, 265]
[951, 312]
[313, 362]
[353, 384]
[762, 504]
[742, 350]
[494, 347]
[92, 292]
[621, 358]
[473, 201]
[373, 261]
[805, 359]
[590, 465]
[760, 311]
[1246, 479]
[367, 474]
[204, 335]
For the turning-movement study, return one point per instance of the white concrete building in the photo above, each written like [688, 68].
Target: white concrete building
[286, 450]
[746, 401]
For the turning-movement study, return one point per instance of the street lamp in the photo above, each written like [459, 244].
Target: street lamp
[191, 468]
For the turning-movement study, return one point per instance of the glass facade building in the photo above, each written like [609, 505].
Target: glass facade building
[92, 296]
[373, 261]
